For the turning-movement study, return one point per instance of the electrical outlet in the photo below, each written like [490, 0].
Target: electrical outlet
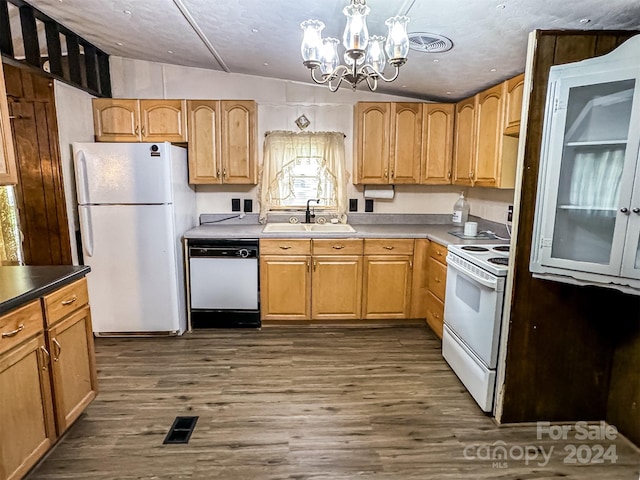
[510, 213]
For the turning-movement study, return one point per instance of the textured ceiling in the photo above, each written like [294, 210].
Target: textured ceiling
[263, 37]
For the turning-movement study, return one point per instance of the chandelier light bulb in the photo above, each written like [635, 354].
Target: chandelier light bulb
[311, 41]
[364, 56]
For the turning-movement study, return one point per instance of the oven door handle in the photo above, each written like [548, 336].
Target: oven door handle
[487, 282]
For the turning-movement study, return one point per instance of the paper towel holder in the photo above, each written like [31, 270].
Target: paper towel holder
[383, 192]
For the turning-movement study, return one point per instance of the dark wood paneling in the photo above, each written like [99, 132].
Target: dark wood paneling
[29, 36]
[561, 340]
[40, 191]
[54, 48]
[73, 57]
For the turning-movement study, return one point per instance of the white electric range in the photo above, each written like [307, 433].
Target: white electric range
[473, 316]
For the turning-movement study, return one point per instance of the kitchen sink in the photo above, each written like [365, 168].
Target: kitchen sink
[331, 228]
[308, 227]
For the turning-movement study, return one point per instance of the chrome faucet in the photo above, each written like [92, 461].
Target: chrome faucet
[308, 216]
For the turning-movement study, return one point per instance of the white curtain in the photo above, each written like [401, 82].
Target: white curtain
[322, 152]
[595, 181]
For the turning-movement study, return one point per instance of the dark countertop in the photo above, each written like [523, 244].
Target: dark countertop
[20, 285]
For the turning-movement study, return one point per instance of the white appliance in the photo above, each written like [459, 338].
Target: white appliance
[473, 316]
[134, 204]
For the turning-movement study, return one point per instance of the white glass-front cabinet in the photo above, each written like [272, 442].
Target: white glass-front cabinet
[587, 220]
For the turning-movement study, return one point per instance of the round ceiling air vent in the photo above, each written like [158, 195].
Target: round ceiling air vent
[429, 42]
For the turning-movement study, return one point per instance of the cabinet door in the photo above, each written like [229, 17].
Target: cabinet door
[238, 142]
[437, 143]
[406, 143]
[588, 170]
[463, 142]
[204, 141]
[163, 121]
[73, 366]
[116, 120]
[285, 291]
[26, 417]
[420, 280]
[488, 144]
[513, 107]
[8, 175]
[631, 254]
[372, 125]
[387, 286]
[337, 287]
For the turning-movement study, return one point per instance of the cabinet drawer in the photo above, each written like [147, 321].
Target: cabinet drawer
[435, 314]
[19, 325]
[437, 251]
[392, 246]
[437, 278]
[65, 300]
[352, 246]
[285, 247]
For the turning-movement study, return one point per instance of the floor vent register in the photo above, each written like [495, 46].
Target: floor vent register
[181, 430]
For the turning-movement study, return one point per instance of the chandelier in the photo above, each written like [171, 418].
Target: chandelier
[364, 55]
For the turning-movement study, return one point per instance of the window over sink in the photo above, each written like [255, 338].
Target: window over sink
[298, 167]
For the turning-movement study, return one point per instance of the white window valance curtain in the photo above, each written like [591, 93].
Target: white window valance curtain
[283, 149]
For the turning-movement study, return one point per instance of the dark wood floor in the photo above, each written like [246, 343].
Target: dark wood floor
[304, 403]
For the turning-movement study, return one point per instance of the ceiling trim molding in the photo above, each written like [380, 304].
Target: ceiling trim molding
[196, 28]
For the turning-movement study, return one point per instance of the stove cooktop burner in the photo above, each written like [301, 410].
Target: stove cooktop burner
[501, 248]
[473, 248]
[499, 260]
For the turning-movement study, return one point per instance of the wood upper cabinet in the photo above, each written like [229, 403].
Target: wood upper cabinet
[372, 125]
[8, 171]
[133, 120]
[336, 279]
[437, 143]
[483, 155]
[222, 141]
[464, 142]
[489, 130]
[27, 428]
[403, 143]
[388, 271]
[406, 143]
[513, 110]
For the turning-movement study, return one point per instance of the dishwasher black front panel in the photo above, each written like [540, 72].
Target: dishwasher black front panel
[224, 289]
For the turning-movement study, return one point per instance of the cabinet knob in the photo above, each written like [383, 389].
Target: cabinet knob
[338, 247]
[388, 247]
[636, 210]
[625, 210]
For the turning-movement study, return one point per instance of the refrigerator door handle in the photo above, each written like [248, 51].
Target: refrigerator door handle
[86, 231]
[82, 179]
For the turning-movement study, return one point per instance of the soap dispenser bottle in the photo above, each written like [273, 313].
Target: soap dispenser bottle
[460, 211]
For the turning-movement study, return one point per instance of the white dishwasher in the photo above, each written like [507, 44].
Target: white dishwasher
[224, 288]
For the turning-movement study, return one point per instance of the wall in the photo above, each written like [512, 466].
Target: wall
[570, 353]
[280, 102]
[75, 124]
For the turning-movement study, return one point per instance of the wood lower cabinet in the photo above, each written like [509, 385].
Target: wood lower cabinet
[47, 375]
[388, 270]
[8, 171]
[27, 428]
[437, 281]
[285, 279]
[420, 281]
[73, 370]
[336, 279]
[310, 279]
[134, 120]
[222, 141]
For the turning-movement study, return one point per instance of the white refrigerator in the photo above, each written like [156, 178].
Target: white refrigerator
[134, 205]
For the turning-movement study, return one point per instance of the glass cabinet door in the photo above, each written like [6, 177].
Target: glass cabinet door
[631, 257]
[592, 157]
